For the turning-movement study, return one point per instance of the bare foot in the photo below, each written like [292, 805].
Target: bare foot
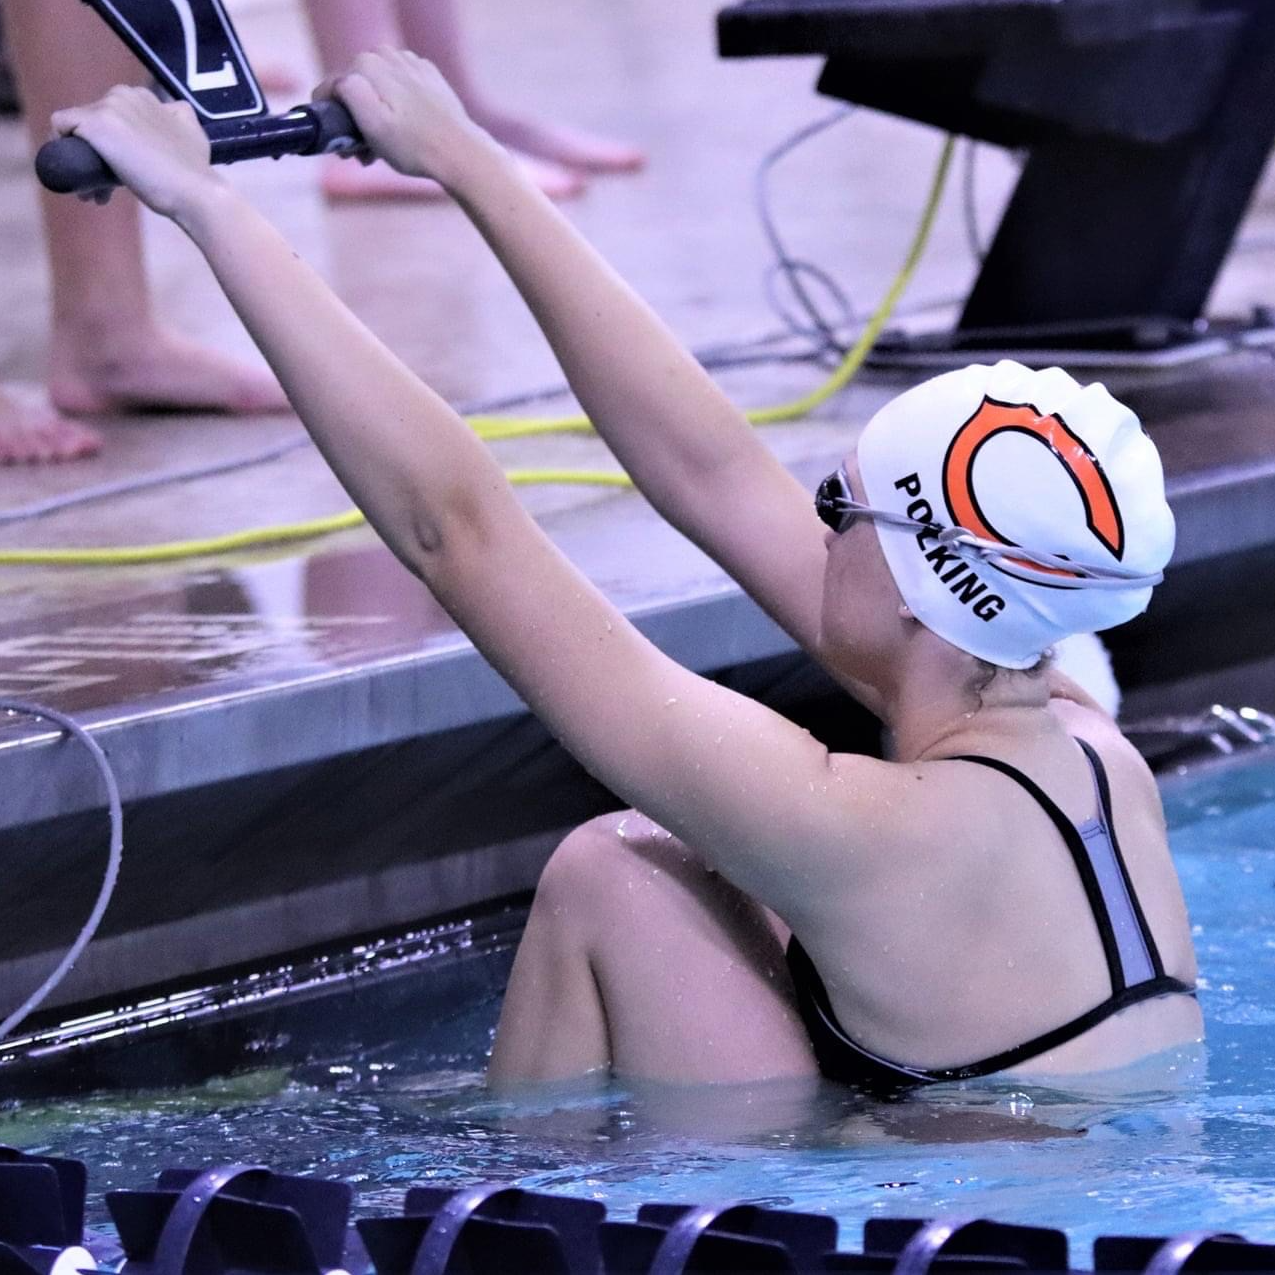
[278, 78]
[32, 433]
[559, 144]
[348, 181]
[345, 181]
[157, 372]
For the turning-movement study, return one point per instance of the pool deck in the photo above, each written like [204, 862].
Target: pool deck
[201, 675]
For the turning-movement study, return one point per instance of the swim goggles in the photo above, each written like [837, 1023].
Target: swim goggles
[839, 510]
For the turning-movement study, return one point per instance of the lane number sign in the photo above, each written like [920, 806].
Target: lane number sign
[191, 48]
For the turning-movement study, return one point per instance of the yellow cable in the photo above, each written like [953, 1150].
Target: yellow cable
[854, 360]
[498, 428]
[133, 555]
[495, 429]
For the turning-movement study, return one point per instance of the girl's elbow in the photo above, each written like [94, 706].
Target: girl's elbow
[455, 528]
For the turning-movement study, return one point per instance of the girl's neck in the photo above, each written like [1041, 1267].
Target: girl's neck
[941, 709]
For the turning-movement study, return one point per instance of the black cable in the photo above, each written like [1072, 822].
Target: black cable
[969, 202]
[794, 270]
[115, 856]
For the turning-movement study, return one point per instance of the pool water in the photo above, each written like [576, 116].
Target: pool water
[1185, 1143]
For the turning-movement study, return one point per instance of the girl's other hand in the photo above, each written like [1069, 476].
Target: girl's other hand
[407, 113]
[158, 150]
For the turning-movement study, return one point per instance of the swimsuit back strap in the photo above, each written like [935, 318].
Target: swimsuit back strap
[1140, 955]
[1094, 867]
[842, 1058]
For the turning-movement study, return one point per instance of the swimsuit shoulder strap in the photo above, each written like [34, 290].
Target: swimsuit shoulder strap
[1128, 945]
[1132, 959]
[1140, 957]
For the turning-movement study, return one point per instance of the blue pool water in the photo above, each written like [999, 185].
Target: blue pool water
[1186, 1144]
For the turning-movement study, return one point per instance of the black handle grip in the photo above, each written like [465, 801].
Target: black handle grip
[70, 165]
[335, 128]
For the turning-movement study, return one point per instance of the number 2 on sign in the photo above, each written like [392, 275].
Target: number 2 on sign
[199, 81]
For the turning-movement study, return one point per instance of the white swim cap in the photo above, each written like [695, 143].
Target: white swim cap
[1026, 459]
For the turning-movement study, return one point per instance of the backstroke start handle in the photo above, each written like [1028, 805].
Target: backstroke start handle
[70, 166]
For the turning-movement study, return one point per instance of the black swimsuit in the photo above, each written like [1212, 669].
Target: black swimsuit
[1133, 960]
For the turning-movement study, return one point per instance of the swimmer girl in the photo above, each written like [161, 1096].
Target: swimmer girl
[996, 896]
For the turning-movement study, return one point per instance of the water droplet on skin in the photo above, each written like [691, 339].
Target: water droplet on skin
[610, 627]
[670, 701]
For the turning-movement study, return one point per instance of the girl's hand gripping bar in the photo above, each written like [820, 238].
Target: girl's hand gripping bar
[70, 165]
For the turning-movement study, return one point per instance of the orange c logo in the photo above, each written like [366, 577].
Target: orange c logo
[992, 418]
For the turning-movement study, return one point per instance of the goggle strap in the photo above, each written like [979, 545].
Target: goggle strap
[1080, 575]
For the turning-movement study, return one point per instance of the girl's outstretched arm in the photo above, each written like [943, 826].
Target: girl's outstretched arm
[689, 449]
[755, 793]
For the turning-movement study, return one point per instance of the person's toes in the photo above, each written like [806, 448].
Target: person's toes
[344, 181]
[570, 147]
[278, 77]
[347, 181]
[160, 372]
[258, 393]
[593, 154]
[35, 434]
[556, 182]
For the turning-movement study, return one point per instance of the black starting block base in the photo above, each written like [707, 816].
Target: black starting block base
[1135, 344]
[1146, 126]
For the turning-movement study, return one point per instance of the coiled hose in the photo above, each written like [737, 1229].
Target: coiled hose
[114, 860]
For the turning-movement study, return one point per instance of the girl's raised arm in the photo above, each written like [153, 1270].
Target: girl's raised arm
[688, 448]
[751, 791]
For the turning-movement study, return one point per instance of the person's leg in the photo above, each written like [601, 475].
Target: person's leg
[108, 352]
[345, 28]
[432, 28]
[342, 30]
[10, 104]
[638, 959]
[31, 432]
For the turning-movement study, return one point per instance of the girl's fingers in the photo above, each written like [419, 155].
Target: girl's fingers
[357, 92]
[185, 111]
[65, 122]
[325, 90]
[370, 59]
